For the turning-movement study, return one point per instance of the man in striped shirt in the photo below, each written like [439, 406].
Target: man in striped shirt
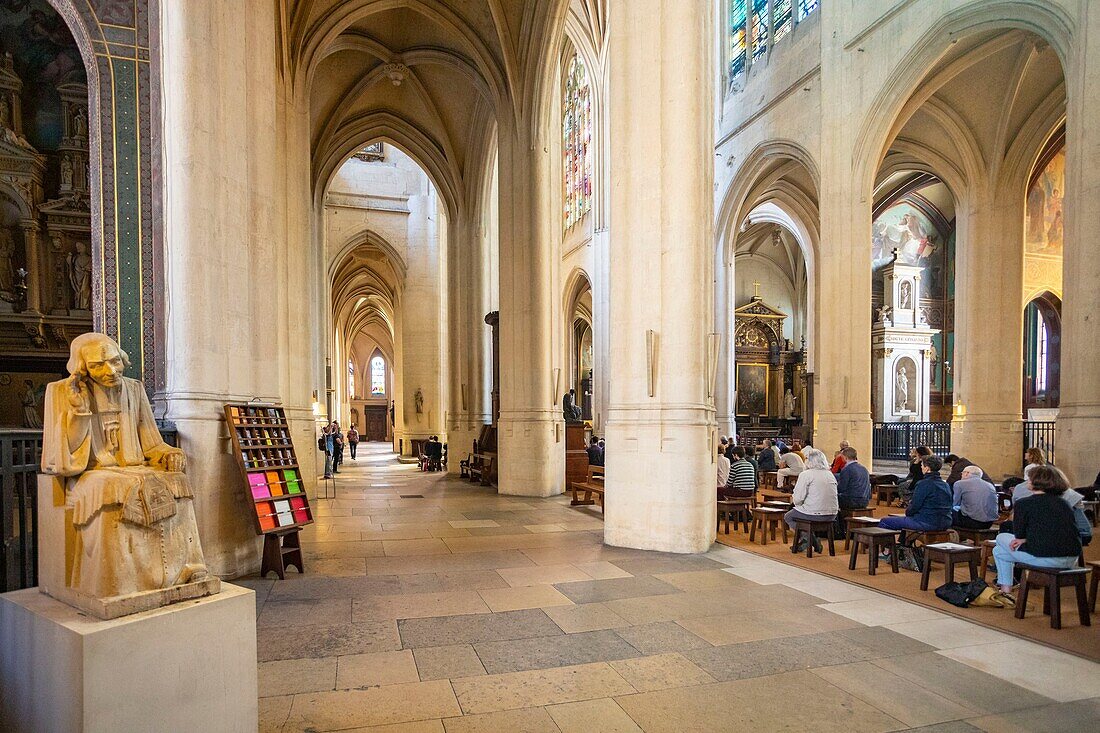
[742, 480]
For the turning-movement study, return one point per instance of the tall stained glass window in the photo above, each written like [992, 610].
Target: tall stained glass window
[378, 377]
[737, 37]
[758, 27]
[351, 380]
[782, 20]
[576, 131]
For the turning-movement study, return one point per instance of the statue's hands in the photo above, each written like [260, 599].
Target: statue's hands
[174, 461]
[80, 397]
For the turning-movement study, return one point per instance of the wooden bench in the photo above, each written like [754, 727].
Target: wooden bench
[593, 485]
[949, 556]
[1052, 580]
[483, 467]
[874, 539]
[767, 519]
[739, 508]
[975, 536]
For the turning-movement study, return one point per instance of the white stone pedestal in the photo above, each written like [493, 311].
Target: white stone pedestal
[186, 667]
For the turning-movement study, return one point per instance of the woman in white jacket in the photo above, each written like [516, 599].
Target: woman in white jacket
[814, 494]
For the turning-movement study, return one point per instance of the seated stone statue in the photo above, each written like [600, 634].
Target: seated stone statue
[129, 524]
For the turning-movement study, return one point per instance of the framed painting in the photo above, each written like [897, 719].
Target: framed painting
[752, 389]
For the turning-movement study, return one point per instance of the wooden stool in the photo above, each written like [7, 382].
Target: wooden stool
[874, 538]
[767, 518]
[987, 553]
[739, 508]
[932, 536]
[976, 536]
[784, 505]
[811, 527]
[854, 523]
[949, 556]
[1053, 580]
[768, 480]
[1094, 584]
[885, 493]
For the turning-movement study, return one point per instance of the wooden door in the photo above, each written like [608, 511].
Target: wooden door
[375, 423]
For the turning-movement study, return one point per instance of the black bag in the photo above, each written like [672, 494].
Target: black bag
[321, 443]
[911, 558]
[961, 594]
[953, 593]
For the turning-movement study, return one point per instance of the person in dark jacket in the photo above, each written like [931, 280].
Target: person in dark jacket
[595, 453]
[957, 466]
[930, 508]
[1044, 531]
[765, 457]
[909, 484]
[853, 483]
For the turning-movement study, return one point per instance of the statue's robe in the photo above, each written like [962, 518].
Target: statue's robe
[134, 522]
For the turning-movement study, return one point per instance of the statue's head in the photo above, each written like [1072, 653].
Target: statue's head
[98, 357]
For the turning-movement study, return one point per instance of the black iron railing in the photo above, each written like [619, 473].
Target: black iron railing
[894, 440]
[20, 456]
[21, 452]
[1040, 435]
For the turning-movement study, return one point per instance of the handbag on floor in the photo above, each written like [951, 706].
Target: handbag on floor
[964, 594]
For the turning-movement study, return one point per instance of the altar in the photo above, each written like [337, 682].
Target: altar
[770, 376]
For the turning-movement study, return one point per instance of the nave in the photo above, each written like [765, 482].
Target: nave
[432, 604]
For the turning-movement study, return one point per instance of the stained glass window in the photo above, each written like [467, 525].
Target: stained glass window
[377, 377]
[351, 380]
[782, 22]
[737, 37]
[758, 27]
[805, 7]
[576, 131]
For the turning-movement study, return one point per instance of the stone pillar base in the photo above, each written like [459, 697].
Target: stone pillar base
[531, 450]
[660, 485]
[993, 442]
[186, 667]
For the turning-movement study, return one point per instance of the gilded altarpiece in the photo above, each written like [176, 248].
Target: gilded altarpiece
[769, 373]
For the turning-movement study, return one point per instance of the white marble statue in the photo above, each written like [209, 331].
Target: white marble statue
[901, 390]
[788, 404]
[80, 124]
[66, 172]
[133, 543]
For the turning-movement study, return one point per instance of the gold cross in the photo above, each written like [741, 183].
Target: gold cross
[756, 286]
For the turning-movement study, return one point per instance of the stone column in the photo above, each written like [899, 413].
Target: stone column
[466, 353]
[1078, 425]
[223, 242]
[989, 329]
[38, 276]
[531, 435]
[660, 431]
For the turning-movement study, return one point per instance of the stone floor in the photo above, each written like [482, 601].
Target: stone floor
[431, 604]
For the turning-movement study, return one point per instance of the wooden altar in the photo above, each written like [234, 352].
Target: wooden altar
[766, 367]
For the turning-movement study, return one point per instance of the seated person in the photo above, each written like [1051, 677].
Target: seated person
[1044, 531]
[750, 456]
[957, 465]
[797, 447]
[723, 472]
[909, 484]
[838, 457]
[790, 464]
[595, 453]
[974, 500]
[814, 495]
[765, 457]
[742, 478]
[930, 508]
[1071, 497]
[1033, 457]
[853, 483]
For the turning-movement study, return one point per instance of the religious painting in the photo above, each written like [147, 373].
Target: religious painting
[905, 227]
[752, 389]
[44, 56]
[1044, 220]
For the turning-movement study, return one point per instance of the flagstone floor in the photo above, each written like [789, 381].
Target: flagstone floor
[431, 604]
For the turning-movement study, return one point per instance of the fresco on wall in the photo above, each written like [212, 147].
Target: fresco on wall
[907, 229]
[1044, 221]
[45, 56]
